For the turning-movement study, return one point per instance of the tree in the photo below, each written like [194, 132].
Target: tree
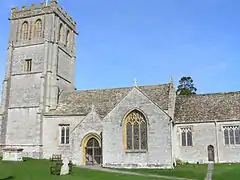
[186, 86]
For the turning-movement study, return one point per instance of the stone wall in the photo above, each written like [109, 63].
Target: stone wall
[65, 66]
[22, 126]
[80, 127]
[91, 125]
[51, 135]
[227, 153]
[25, 91]
[203, 135]
[159, 153]
[35, 52]
[27, 95]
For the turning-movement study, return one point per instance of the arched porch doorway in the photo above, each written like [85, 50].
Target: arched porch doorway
[92, 151]
[210, 149]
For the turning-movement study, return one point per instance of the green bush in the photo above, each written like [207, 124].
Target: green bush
[180, 162]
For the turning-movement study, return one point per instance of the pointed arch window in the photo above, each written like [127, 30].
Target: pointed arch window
[24, 31]
[68, 38]
[38, 29]
[135, 131]
[61, 35]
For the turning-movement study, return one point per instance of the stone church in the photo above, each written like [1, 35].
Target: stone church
[130, 127]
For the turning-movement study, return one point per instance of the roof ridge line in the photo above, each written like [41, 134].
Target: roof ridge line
[125, 87]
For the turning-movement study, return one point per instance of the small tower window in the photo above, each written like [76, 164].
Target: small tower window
[28, 65]
[24, 31]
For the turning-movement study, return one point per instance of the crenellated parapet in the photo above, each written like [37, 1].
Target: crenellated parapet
[40, 9]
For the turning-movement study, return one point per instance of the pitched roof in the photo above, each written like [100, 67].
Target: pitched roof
[104, 100]
[207, 107]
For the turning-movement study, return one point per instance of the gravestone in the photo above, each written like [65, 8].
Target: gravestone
[65, 167]
[12, 154]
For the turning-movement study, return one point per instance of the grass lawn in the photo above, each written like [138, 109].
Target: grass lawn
[191, 171]
[39, 170]
[226, 172]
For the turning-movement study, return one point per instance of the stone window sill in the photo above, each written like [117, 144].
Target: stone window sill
[136, 151]
[232, 145]
[64, 145]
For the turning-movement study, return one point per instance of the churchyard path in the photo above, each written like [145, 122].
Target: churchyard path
[132, 173]
[209, 171]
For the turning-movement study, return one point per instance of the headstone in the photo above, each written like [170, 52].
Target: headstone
[65, 167]
[12, 154]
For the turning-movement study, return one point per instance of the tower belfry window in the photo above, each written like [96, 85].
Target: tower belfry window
[28, 65]
[24, 31]
[38, 29]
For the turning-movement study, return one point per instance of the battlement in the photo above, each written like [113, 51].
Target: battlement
[42, 8]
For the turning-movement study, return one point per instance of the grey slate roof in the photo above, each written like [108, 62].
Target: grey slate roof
[104, 100]
[208, 107]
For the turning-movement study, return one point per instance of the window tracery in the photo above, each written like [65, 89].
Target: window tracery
[136, 131]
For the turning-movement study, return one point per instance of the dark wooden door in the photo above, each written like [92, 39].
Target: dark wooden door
[93, 152]
[210, 153]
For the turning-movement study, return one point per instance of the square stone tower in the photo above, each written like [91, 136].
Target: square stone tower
[40, 65]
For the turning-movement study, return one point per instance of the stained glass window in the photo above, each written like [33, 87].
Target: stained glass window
[143, 128]
[129, 136]
[136, 135]
[136, 131]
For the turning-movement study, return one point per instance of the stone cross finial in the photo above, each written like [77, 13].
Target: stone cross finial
[93, 107]
[134, 82]
[172, 82]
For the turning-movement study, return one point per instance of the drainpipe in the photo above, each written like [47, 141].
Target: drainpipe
[216, 131]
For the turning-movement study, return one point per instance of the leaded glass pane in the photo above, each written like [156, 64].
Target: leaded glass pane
[226, 137]
[129, 136]
[183, 138]
[95, 143]
[189, 138]
[90, 142]
[136, 135]
[62, 135]
[143, 128]
[231, 136]
[237, 136]
[67, 135]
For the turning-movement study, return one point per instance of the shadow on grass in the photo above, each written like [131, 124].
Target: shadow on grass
[8, 178]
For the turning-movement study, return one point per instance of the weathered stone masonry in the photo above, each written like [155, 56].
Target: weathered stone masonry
[39, 98]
